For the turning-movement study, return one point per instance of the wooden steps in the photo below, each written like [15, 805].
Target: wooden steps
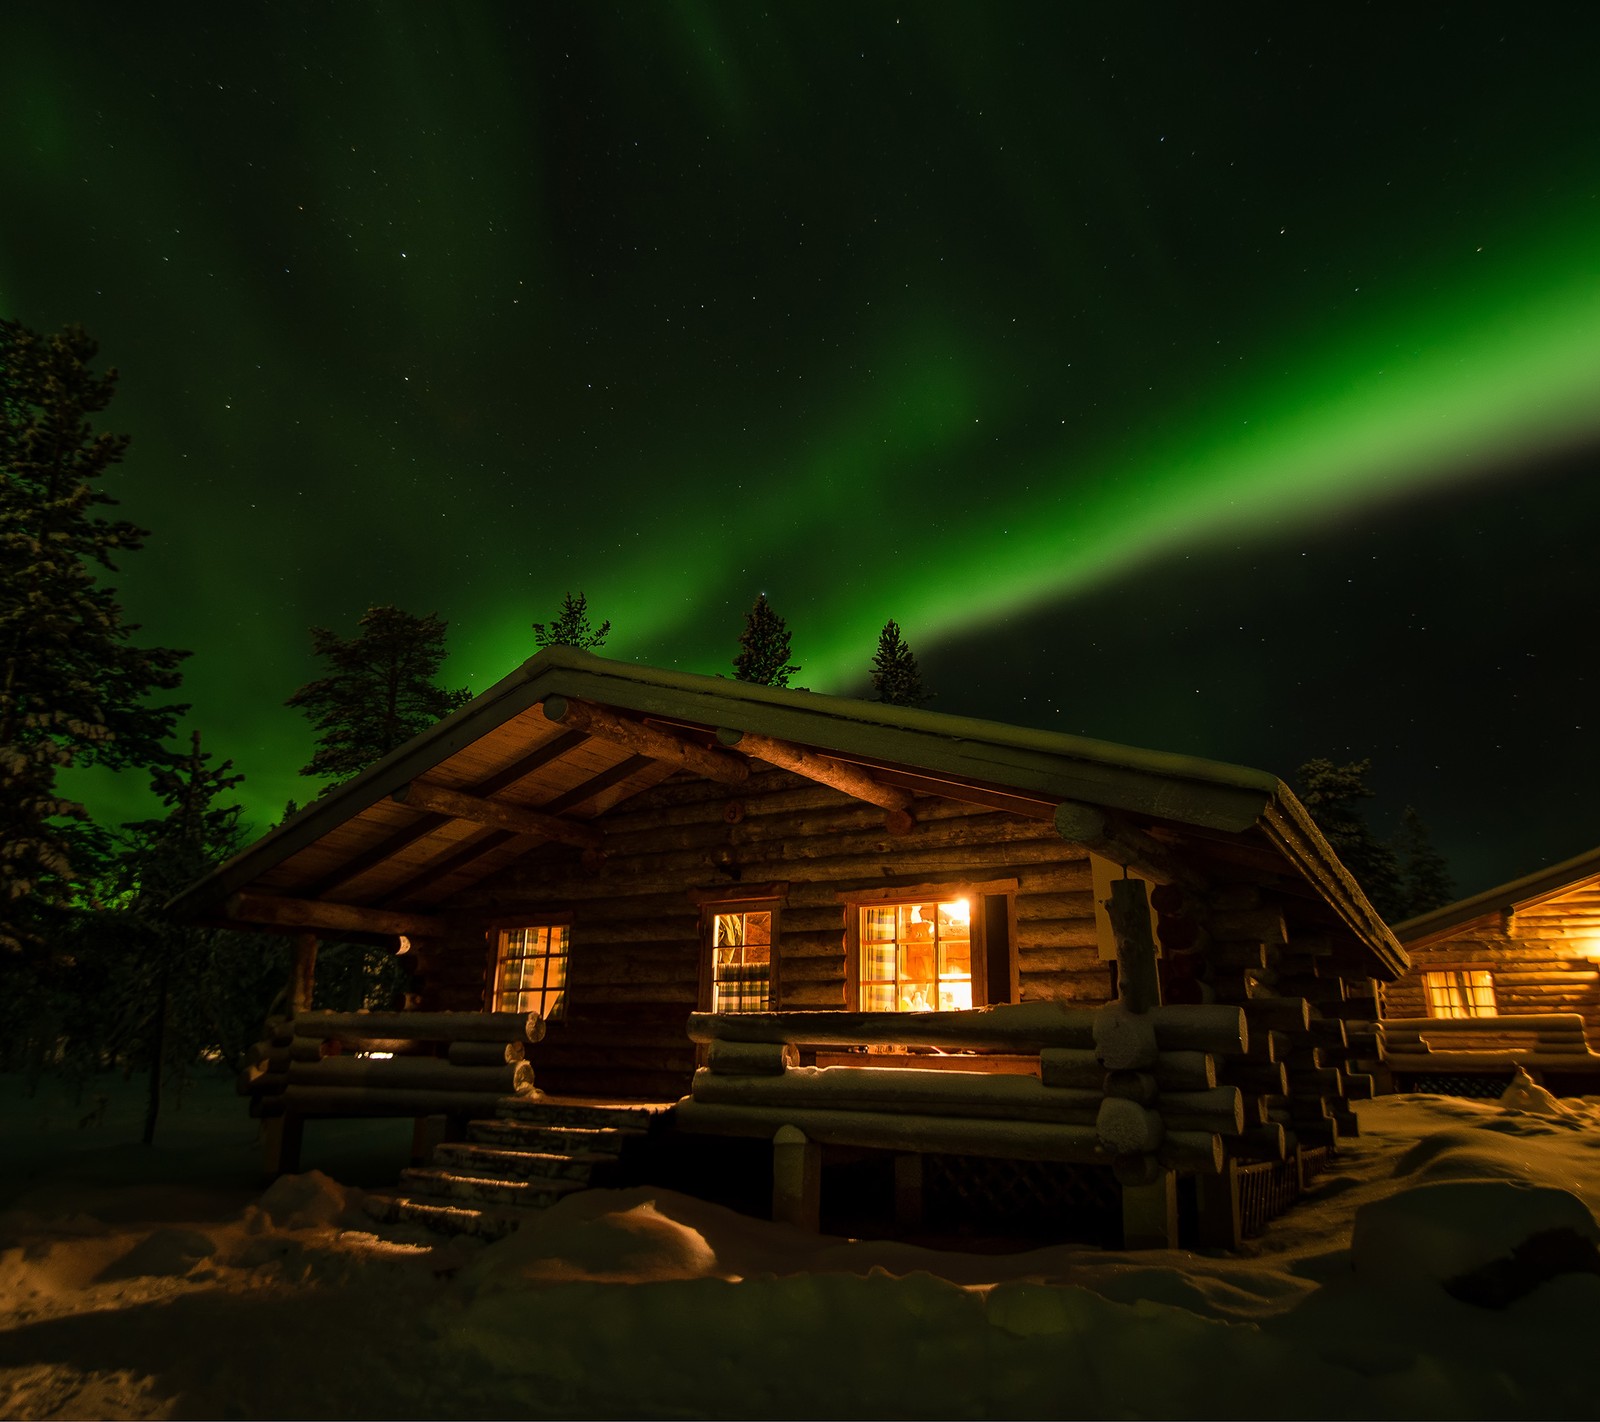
[532, 1153]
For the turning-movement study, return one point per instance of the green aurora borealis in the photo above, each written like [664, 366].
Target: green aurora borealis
[1226, 383]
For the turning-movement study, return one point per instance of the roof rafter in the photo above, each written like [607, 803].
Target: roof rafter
[825, 770]
[652, 741]
[283, 912]
[441, 800]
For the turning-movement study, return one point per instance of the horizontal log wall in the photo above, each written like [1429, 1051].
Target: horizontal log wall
[1544, 973]
[634, 971]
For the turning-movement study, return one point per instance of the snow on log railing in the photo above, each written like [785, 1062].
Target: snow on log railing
[389, 1063]
[1555, 1041]
[752, 1083]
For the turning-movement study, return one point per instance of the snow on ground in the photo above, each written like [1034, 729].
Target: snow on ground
[165, 1282]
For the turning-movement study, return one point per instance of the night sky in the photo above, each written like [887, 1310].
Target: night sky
[1220, 379]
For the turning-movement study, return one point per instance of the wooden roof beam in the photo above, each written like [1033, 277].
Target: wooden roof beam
[849, 780]
[281, 912]
[440, 799]
[652, 741]
[1093, 828]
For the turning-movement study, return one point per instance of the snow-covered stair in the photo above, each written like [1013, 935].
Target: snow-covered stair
[531, 1154]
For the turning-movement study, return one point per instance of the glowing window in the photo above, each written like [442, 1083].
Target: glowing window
[741, 961]
[916, 957]
[1460, 993]
[531, 970]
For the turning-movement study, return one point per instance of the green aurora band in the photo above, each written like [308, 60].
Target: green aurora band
[1432, 394]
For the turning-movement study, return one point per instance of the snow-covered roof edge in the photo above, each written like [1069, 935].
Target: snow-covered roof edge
[1184, 789]
[1514, 895]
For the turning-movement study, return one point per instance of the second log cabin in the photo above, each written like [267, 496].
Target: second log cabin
[1505, 978]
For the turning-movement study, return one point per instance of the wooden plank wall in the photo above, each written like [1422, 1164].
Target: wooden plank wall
[1536, 962]
[635, 964]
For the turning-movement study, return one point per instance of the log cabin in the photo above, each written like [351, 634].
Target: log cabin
[1504, 979]
[692, 883]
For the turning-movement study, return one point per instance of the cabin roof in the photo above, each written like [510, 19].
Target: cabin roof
[1568, 890]
[358, 845]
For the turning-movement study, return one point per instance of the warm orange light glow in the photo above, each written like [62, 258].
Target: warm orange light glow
[916, 957]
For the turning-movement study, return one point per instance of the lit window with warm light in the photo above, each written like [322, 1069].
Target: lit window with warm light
[531, 970]
[916, 957]
[1460, 993]
[741, 961]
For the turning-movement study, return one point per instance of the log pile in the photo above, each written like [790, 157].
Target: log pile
[1315, 1036]
[389, 1063]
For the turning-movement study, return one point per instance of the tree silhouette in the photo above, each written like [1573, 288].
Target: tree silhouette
[571, 628]
[73, 685]
[896, 678]
[1424, 872]
[380, 690]
[190, 976]
[1333, 793]
[764, 647]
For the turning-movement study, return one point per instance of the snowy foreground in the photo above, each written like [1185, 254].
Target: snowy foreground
[165, 1283]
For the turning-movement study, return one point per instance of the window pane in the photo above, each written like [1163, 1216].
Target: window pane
[916, 956]
[532, 970]
[741, 962]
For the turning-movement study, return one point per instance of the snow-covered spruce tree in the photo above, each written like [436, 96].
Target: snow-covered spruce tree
[1424, 872]
[896, 678]
[381, 689]
[764, 647]
[73, 685]
[1332, 793]
[571, 629]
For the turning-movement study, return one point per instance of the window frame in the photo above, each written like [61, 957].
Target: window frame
[983, 933]
[1459, 982]
[744, 903]
[497, 936]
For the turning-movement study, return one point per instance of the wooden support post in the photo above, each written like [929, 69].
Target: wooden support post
[302, 973]
[427, 1134]
[280, 1144]
[908, 1189]
[796, 1179]
[1138, 980]
[1150, 1214]
[1221, 1219]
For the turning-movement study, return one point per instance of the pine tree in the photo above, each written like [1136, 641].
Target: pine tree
[1424, 872]
[571, 629]
[186, 996]
[896, 678]
[380, 690]
[1332, 793]
[73, 685]
[764, 643]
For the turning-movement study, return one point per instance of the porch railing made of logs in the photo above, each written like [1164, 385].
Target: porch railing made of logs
[426, 1065]
[1549, 1041]
[1151, 1091]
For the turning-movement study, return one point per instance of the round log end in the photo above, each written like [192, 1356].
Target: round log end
[555, 708]
[533, 1030]
[1082, 824]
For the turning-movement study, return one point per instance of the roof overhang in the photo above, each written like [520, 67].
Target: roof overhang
[1517, 896]
[913, 747]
